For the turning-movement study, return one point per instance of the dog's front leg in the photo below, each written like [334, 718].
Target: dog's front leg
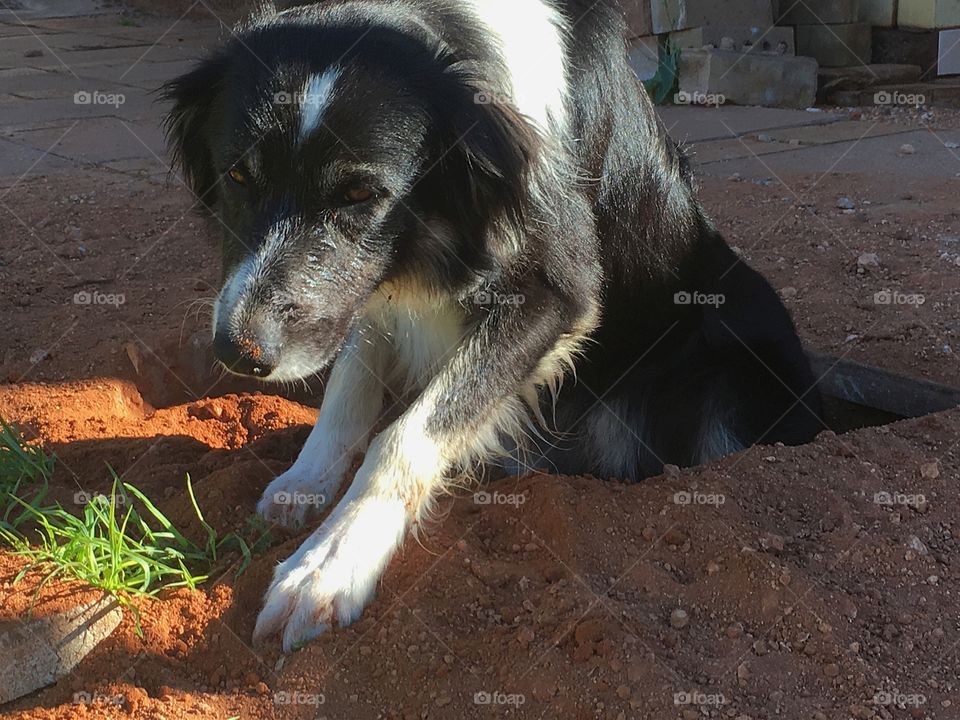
[351, 406]
[333, 574]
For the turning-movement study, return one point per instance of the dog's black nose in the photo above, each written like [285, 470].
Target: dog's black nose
[244, 357]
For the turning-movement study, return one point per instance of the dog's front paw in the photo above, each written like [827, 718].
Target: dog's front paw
[333, 575]
[296, 497]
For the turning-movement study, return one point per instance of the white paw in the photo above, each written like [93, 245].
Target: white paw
[333, 575]
[298, 495]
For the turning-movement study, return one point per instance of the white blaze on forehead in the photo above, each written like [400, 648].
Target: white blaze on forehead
[316, 96]
[530, 35]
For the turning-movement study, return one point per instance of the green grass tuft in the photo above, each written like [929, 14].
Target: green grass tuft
[121, 543]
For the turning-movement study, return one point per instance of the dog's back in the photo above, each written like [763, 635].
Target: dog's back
[695, 356]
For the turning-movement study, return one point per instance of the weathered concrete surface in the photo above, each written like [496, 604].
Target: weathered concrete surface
[929, 14]
[949, 55]
[644, 56]
[750, 78]
[907, 47]
[837, 85]
[79, 90]
[835, 45]
[668, 15]
[639, 21]
[38, 652]
[818, 12]
[699, 125]
[880, 13]
[871, 155]
[858, 77]
[746, 38]
[30, 9]
[98, 53]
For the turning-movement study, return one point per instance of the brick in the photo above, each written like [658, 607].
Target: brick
[39, 652]
[643, 54]
[835, 45]
[818, 12]
[773, 40]
[750, 78]
[881, 13]
[929, 14]
[639, 22]
[907, 47]
[670, 15]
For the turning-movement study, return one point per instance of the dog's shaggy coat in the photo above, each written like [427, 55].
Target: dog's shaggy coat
[471, 207]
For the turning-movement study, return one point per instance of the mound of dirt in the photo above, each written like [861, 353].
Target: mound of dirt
[811, 582]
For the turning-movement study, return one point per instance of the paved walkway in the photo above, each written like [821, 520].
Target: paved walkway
[76, 83]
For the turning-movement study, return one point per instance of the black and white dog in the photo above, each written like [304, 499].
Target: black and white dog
[459, 203]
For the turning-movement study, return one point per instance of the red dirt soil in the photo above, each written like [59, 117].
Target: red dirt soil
[802, 595]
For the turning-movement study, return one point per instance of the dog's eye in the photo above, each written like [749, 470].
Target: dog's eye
[358, 194]
[238, 176]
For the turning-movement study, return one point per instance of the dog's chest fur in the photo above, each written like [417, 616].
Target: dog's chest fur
[424, 333]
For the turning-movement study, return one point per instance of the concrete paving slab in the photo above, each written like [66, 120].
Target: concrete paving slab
[64, 41]
[145, 75]
[100, 140]
[108, 56]
[146, 169]
[743, 147]
[36, 9]
[835, 132]
[788, 140]
[20, 78]
[16, 29]
[31, 113]
[878, 156]
[167, 32]
[692, 123]
[17, 159]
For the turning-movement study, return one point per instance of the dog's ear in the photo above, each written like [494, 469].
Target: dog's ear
[489, 153]
[194, 96]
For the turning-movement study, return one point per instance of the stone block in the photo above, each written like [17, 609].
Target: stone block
[949, 55]
[907, 47]
[38, 652]
[835, 83]
[749, 78]
[857, 77]
[819, 12]
[773, 40]
[835, 45]
[929, 14]
[639, 22]
[670, 15]
[644, 56]
[881, 13]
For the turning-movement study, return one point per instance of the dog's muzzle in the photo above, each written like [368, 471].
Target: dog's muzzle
[244, 356]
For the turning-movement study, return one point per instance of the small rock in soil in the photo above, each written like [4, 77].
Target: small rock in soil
[845, 203]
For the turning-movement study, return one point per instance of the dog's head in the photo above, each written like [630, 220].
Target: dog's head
[330, 147]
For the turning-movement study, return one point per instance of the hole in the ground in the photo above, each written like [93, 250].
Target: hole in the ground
[858, 396]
